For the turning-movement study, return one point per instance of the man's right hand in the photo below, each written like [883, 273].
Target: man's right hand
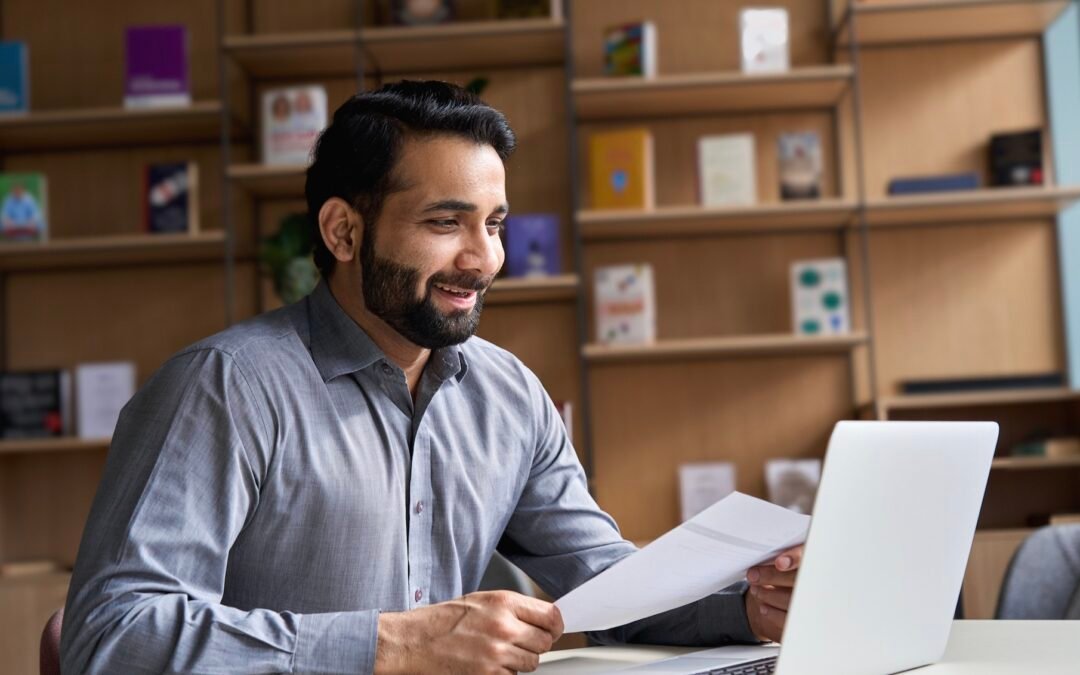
[490, 632]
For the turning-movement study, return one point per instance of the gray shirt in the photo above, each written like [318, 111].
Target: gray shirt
[273, 487]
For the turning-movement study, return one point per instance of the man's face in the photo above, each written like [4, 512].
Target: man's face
[435, 248]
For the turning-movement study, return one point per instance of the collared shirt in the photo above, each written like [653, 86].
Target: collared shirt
[273, 488]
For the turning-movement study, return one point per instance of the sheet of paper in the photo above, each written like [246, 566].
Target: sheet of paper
[711, 551]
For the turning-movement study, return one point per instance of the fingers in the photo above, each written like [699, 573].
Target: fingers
[533, 639]
[541, 614]
[790, 559]
[516, 659]
[777, 598]
[771, 622]
[768, 575]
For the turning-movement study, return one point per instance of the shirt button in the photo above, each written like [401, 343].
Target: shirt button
[417, 595]
[387, 369]
[420, 507]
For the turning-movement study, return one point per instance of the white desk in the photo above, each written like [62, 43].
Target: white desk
[975, 648]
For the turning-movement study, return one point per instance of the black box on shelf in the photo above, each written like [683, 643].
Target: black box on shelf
[1016, 158]
[35, 404]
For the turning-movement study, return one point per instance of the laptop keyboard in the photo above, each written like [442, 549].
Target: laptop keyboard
[765, 666]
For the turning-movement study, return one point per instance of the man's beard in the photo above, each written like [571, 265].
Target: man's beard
[390, 294]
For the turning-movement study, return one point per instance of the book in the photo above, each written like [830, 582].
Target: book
[532, 245]
[702, 484]
[156, 62]
[101, 391]
[24, 206]
[819, 297]
[726, 170]
[630, 49]
[793, 483]
[1016, 158]
[171, 198]
[14, 77]
[800, 165]
[421, 12]
[292, 119]
[983, 384]
[525, 9]
[566, 412]
[625, 304]
[621, 169]
[763, 34]
[35, 404]
[941, 183]
[1051, 448]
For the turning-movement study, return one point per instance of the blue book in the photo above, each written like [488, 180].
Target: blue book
[14, 77]
[943, 183]
[532, 245]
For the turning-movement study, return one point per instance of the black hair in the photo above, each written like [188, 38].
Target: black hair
[356, 155]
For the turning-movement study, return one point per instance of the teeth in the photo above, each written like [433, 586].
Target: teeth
[460, 294]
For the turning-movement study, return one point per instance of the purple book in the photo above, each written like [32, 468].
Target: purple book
[532, 245]
[157, 67]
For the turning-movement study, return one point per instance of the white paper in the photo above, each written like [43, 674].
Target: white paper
[101, 391]
[702, 484]
[709, 552]
[793, 483]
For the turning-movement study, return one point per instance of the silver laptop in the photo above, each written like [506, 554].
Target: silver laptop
[885, 558]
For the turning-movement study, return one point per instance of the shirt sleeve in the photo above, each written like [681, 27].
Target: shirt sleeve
[181, 480]
[561, 538]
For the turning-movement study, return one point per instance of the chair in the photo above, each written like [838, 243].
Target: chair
[502, 575]
[50, 644]
[1043, 577]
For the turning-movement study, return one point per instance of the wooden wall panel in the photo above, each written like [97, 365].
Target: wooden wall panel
[916, 125]
[649, 418]
[692, 35]
[716, 286]
[1027, 498]
[990, 555]
[77, 48]
[965, 301]
[28, 603]
[676, 155]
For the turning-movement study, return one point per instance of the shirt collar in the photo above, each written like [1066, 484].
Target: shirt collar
[339, 346]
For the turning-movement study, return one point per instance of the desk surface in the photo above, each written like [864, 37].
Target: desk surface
[975, 647]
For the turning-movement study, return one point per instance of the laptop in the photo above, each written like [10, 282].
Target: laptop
[885, 556]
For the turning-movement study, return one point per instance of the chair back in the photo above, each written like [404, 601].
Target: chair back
[50, 644]
[1043, 577]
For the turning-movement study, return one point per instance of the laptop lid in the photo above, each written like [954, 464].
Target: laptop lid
[893, 524]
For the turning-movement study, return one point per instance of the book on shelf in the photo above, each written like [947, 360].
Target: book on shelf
[35, 404]
[1050, 448]
[101, 391]
[726, 170]
[566, 412]
[630, 49]
[1016, 158]
[532, 245]
[940, 183]
[24, 206]
[982, 384]
[526, 9]
[702, 484]
[763, 34]
[793, 483]
[625, 300]
[800, 165]
[156, 67]
[621, 169]
[819, 297]
[171, 198]
[421, 12]
[14, 77]
[292, 119]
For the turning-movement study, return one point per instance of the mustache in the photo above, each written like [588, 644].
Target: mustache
[467, 281]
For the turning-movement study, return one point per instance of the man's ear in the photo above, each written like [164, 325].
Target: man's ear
[341, 228]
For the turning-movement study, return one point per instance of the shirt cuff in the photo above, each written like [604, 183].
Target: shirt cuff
[342, 642]
[722, 616]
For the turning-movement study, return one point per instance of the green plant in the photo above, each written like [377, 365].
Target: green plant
[286, 258]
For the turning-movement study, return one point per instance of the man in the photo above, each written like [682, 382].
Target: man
[314, 490]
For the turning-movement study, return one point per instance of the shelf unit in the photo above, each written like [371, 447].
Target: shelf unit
[32, 446]
[106, 251]
[977, 206]
[724, 347]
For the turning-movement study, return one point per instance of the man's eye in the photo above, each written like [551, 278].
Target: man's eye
[444, 223]
[496, 226]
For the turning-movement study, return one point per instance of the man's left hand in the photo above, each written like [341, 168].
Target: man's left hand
[769, 595]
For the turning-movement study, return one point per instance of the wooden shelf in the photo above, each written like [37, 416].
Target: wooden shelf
[671, 221]
[270, 181]
[106, 251]
[906, 21]
[724, 347]
[533, 289]
[49, 445]
[402, 49]
[977, 399]
[973, 206]
[614, 98]
[1029, 463]
[103, 127]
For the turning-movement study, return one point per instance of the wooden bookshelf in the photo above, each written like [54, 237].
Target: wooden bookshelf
[974, 206]
[49, 445]
[268, 180]
[674, 221]
[695, 93]
[110, 127]
[1035, 463]
[724, 347]
[972, 400]
[397, 49]
[109, 251]
[906, 21]
[539, 289]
